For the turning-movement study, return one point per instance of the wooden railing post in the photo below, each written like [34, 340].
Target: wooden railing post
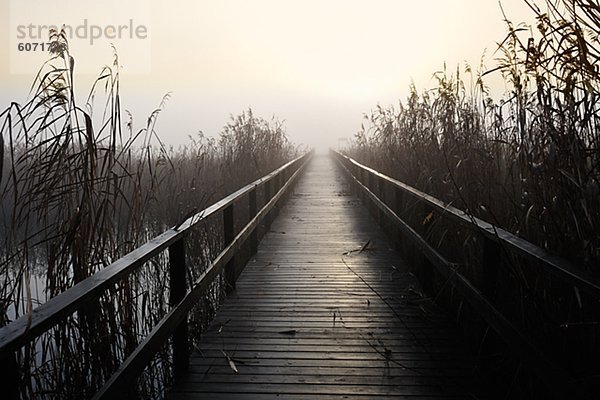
[177, 273]
[398, 201]
[274, 184]
[398, 207]
[490, 265]
[268, 193]
[9, 375]
[228, 235]
[381, 194]
[357, 175]
[352, 169]
[252, 209]
[359, 178]
[278, 183]
[426, 268]
[371, 185]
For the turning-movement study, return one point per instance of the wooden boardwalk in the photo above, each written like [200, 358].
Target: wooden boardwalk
[326, 309]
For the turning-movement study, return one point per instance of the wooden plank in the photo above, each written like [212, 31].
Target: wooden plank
[278, 327]
[338, 347]
[437, 368]
[301, 388]
[389, 372]
[331, 353]
[295, 396]
[326, 379]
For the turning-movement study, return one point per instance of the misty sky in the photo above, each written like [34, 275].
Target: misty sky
[318, 65]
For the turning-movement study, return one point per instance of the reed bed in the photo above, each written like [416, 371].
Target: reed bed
[528, 162]
[80, 188]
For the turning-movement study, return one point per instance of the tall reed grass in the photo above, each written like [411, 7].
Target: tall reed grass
[528, 162]
[80, 188]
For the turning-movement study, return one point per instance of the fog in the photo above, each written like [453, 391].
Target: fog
[319, 66]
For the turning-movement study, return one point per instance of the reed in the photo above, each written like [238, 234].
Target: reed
[489, 157]
[80, 188]
[529, 163]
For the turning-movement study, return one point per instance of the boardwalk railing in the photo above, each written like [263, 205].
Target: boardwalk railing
[390, 198]
[183, 295]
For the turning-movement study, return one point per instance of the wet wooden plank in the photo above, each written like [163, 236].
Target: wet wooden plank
[314, 317]
[294, 396]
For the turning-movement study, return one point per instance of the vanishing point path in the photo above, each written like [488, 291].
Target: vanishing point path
[327, 309]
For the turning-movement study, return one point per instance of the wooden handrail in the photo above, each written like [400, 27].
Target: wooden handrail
[553, 264]
[547, 371]
[28, 327]
[156, 338]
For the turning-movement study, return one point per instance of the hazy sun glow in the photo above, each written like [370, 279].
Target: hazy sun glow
[319, 65]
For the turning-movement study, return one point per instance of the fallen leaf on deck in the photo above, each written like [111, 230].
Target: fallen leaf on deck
[427, 219]
[230, 362]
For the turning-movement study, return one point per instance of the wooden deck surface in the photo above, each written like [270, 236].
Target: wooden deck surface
[315, 317]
